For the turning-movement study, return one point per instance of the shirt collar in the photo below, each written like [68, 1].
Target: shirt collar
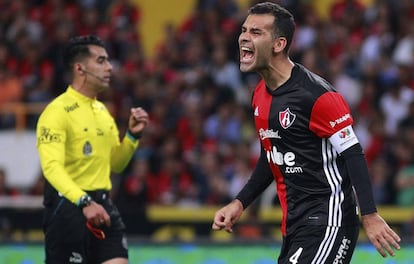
[71, 91]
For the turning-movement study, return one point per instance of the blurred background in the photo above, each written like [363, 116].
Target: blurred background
[178, 59]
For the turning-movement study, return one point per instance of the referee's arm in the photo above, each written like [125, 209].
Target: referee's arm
[51, 138]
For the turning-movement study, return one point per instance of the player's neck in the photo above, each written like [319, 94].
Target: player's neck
[277, 73]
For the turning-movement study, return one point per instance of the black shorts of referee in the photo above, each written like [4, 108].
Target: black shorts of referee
[67, 238]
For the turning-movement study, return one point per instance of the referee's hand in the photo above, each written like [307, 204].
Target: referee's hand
[380, 234]
[138, 120]
[96, 214]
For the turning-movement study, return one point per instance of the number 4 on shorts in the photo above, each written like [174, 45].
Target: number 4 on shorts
[295, 257]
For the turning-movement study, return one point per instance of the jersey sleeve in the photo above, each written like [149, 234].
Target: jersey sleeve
[331, 118]
[358, 173]
[51, 138]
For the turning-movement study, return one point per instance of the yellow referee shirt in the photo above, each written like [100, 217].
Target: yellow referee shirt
[78, 144]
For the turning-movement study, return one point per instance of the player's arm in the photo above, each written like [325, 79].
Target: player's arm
[51, 139]
[358, 172]
[377, 230]
[335, 123]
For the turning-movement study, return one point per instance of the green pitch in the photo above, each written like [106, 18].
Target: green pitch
[203, 254]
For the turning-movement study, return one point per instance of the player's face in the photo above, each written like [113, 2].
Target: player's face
[99, 69]
[256, 42]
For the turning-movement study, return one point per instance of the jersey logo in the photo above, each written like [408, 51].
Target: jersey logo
[269, 133]
[344, 133]
[343, 250]
[87, 149]
[46, 136]
[256, 111]
[75, 258]
[340, 120]
[283, 159]
[72, 107]
[99, 132]
[286, 118]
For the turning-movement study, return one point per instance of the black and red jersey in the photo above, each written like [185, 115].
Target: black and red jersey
[303, 127]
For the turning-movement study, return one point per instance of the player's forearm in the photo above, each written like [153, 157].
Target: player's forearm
[358, 172]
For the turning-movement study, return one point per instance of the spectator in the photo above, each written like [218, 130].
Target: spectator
[133, 196]
[5, 191]
[241, 174]
[218, 185]
[226, 73]
[11, 92]
[172, 184]
[404, 180]
[223, 126]
[394, 104]
[405, 186]
[37, 188]
[380, 174]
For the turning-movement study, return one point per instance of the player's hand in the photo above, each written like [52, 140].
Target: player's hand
[96, 214]
[380, 234]
[138, 120]
[227, 216]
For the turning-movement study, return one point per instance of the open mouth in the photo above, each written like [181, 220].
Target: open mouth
[246, 55]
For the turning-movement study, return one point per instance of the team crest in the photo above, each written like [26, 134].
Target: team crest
[286, 118]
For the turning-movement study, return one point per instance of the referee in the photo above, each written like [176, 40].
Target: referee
[79, 146]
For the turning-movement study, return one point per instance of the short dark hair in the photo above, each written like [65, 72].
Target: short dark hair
[284, 24]
[77, 49]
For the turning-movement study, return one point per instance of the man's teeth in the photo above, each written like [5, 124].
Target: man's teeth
[246, 49]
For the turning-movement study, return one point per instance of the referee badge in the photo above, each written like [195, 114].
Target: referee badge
[87, 149]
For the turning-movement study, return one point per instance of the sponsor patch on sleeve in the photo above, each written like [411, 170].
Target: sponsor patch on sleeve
[46, 136]
[343, 139]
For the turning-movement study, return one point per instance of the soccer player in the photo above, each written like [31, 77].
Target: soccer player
[308, 147]
[79, 145]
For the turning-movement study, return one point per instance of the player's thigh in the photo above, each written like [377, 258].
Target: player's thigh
[319, 245]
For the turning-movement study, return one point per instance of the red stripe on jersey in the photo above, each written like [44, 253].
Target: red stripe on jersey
[261, 105]
[330, 114]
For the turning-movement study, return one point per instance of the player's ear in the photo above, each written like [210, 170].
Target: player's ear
[279, 44]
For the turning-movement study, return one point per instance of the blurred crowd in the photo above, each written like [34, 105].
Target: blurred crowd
[201, 146]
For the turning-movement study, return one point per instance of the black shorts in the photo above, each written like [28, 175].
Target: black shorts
[68, 240]
[319, 244]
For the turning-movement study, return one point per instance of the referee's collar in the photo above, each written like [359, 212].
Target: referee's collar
[71, 91]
